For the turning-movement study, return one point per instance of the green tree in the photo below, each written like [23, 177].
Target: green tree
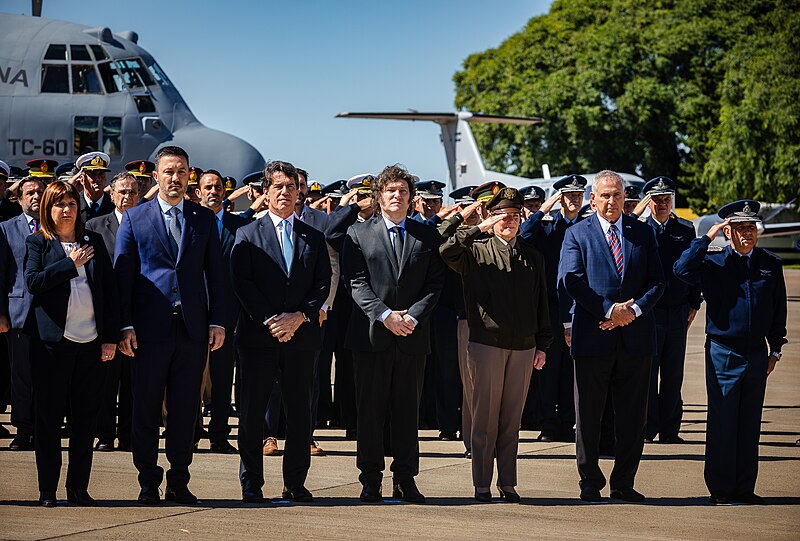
[670, 87]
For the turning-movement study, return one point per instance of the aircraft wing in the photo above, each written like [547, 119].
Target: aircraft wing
[774, 230]
[443, 118]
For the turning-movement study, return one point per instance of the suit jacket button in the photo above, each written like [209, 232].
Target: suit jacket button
[174, 289]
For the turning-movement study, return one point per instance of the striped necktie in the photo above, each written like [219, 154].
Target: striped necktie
[616, 249]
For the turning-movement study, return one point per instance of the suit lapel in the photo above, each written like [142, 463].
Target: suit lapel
[157, 222]
[23, 227]
[299, 243]
[113, 224]
[627, 245]
[602, 244]
[189, 226]
[408, 248]
[270, 243]
[379, 230]
[89, 265]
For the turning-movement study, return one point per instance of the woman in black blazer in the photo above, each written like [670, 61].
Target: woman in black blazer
[75, 327]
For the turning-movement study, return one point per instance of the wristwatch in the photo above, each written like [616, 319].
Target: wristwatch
[776, 354]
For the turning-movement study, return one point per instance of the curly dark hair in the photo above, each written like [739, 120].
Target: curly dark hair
[392, 173]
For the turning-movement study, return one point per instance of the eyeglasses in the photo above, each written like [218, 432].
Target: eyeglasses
[127, 192]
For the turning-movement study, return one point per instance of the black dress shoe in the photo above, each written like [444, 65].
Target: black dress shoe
[468, 453]
[718, 500]
[546, 436]
[752, 499]
[483, 497]
[591, 495]
[181, 495]
[628, 494]
[80, 497]
[149, 496]
[47, 499]
[104, 446]
[371, 492]
[297, 494]
[408, 492]
[448, 436]
[509, 495]
[671, 439]
[252, 496]
[21, 442]
[224, 447]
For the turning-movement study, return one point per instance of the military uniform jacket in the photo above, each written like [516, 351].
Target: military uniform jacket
[674, 239]
[746, 303]
[504, 289]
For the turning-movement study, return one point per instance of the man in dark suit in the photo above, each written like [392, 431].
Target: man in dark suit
[117, 381]
[211, 192]
[92, 168]
[610, 267]
[169, 269]
[393, 269]
[15, 303]
[282, 275]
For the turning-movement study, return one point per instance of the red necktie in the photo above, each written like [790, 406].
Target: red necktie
[616, 249]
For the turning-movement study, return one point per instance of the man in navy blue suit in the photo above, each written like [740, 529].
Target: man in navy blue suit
[610, 267]
[170, 275]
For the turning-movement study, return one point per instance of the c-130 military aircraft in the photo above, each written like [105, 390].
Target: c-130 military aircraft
[67, 89]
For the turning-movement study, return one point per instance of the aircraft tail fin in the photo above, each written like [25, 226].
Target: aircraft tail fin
[464, 162]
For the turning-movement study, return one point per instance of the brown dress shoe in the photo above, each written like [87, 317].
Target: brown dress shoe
[271, 447]
[316, 450]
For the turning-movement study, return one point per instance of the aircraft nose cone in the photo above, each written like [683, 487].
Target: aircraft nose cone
[214, 149]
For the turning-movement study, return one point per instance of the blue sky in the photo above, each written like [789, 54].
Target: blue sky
[276, 73]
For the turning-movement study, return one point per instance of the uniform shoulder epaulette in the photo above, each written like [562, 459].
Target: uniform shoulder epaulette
[715, 249]
[772, 255]
[684, 221]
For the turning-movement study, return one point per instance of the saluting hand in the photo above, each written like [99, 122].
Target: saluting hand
[551, 201]
[487, 224]
[641, 206]
[715, 229]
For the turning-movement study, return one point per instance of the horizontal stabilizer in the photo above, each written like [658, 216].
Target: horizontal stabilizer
[443, 118]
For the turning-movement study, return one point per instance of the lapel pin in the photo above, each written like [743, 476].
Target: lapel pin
[86, 238]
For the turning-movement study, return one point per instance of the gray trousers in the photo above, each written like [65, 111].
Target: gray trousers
[466, 384]
[501, 378]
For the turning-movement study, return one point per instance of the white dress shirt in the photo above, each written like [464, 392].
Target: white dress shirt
[606, 225]
[390, 227]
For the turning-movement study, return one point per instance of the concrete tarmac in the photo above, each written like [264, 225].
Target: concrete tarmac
[671, 476]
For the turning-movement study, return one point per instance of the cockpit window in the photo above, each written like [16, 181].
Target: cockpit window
[133, 73]
[112, 134]
[55, 78]
[56, 52]
[85, 80]
[99, 52]
[158, 74]
[79, 52]
[111, 79]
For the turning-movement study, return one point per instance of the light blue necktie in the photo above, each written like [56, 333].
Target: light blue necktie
[287, 246]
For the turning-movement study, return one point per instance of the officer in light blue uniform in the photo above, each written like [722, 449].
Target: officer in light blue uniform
[745, 293]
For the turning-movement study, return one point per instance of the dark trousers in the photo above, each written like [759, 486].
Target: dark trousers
[557, 389]
[325, 411]
[259, 368]
[19, 348]
[221, 364]
[5, 374]
[736, 384]
[344, 388]
[116, 400]
[274, 416]
[175, 367]
[626, 377]
[388, 384]
[447, 378]
[64, 371]
[665, 407]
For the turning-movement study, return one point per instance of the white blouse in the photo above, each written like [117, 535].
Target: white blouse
[81, 326]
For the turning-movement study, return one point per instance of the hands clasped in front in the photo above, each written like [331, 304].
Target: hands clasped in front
[284, 325]
[399, 323]
[621, 314]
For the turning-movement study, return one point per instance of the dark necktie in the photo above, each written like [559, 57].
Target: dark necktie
[398, 243]
[34, 225]
[95, 208]
[175, 230]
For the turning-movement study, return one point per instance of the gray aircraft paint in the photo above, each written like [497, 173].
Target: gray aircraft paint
[36, 124]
